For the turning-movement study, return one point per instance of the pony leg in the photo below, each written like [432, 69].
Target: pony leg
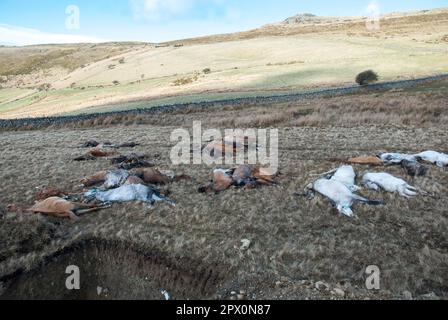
[71, 215]
[412, 188]
[372, 185]
[345, 210]
[156, 198]
[407, 191]
[91, 209]
[410, 193]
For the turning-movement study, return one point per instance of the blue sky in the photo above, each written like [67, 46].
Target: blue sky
[42, 21]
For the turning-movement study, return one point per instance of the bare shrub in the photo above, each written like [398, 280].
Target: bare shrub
[44, 87]
[186, 80]
[182, 81]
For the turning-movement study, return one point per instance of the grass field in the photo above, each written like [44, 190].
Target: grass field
[193, 250]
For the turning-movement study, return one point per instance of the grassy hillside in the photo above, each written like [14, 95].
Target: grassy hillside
[325, 52]
[44, 57]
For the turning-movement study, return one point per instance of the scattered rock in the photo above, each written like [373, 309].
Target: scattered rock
[245, 244]
[90, 144]
[407, 295]
[320, 285]
[430, 296]
[339, 292]
[240, 295]
[166, 295]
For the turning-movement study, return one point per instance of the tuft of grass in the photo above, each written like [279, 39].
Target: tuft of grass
[44, 87]
[186, 80]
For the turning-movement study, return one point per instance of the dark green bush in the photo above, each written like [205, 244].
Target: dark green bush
[366, 77]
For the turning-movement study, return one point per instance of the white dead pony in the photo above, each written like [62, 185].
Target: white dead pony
[389, 183]
[340, 195]
[346, 175]
[126, 193]
[396, 158]
[115, 178]
[437, 158]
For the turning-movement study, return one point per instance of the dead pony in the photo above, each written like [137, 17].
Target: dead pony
[234, 147]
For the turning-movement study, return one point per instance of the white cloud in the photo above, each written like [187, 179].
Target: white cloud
[373, 8]
[157, 9]
[19, 36]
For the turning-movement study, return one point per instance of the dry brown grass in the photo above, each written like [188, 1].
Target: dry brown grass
[292, 238]
[423, 108]
[397, 25]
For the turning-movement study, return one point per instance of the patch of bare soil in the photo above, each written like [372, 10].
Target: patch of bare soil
[116, 270]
